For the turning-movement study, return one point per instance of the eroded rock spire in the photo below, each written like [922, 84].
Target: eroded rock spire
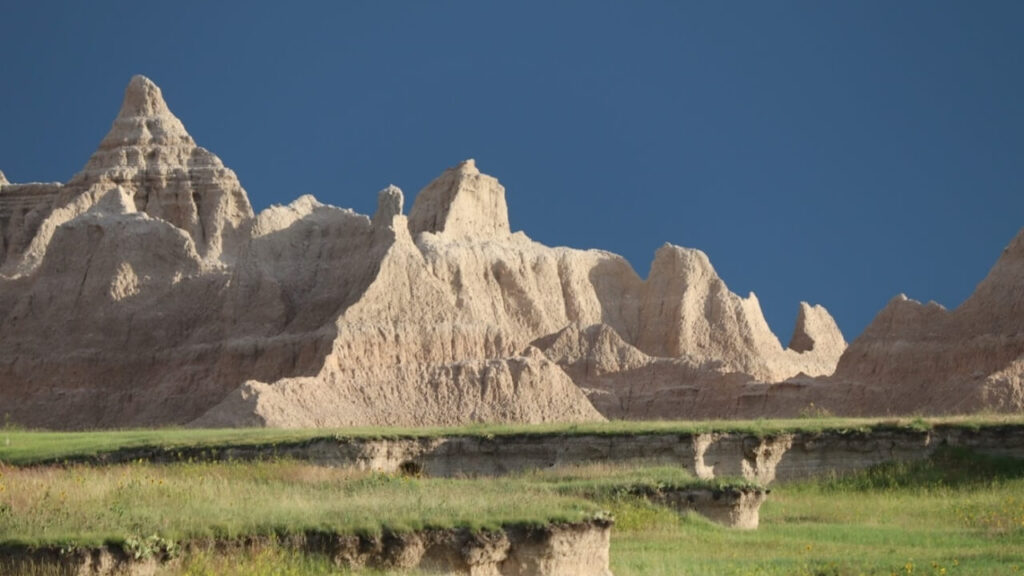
[145, 120]
[461, 202]
[149, 153]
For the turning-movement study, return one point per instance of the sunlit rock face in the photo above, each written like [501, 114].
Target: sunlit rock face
[145, 291]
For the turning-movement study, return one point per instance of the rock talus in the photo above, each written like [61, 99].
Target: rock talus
[145, 291]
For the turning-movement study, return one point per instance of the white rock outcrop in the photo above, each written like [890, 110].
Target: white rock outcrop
[145, 292]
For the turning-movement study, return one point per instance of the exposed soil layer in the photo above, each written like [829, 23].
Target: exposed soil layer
[551, 550]
[735, 507]
[781, 456]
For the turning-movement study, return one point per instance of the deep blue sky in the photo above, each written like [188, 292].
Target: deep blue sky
[836, 152]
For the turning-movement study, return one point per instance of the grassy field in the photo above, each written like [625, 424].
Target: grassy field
[954, 514]
[21, 447]
[91, 506]
[82, 505]
[957, 513]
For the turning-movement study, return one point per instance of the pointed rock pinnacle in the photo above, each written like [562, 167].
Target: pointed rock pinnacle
[143, 98]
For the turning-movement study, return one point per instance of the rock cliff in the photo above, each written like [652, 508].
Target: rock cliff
[145, 291]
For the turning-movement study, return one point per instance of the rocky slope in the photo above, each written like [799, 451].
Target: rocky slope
[145, 291]
[922, 357]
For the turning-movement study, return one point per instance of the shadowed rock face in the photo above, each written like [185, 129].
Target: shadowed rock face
[145, 291]
[926, 358]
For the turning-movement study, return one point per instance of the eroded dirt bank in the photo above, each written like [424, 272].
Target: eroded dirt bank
[552, 550]
[735, 507]
[780, 456]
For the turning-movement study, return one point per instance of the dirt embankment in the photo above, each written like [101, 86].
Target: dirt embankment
[552, 550]
[776, 457]
[735, 507]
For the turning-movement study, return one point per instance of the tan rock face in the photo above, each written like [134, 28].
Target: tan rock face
[816, 330]
[923, 357]
[687, 308]
[462, 202]
[144, 291]
[149, 153]
[23, 209]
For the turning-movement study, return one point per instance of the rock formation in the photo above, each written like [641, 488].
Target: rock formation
[22, 210]
[922, 357]
[149, 154]
[145, 292]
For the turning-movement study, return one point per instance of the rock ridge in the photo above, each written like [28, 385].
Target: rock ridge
[145, 291]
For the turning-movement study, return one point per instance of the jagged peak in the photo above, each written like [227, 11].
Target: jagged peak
[815, 329]
[802, 340]
[143, 98]
[461, 202]
[149, 153]
[145, 119]
[902, 315]
[3, 179]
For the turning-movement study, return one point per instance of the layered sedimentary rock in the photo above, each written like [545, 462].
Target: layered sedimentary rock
[145, 291]
[443, 328]
[23, 207]
[913, 358]
[149, 154]
[922, 357]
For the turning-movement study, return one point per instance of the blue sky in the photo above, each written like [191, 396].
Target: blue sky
[835, 152]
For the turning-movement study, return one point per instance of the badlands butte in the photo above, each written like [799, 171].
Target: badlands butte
[145, 291]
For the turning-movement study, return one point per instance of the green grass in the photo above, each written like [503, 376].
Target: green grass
[957, 513]
[604, 481]
[22, 447]
[87, 506]
[954, 514]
